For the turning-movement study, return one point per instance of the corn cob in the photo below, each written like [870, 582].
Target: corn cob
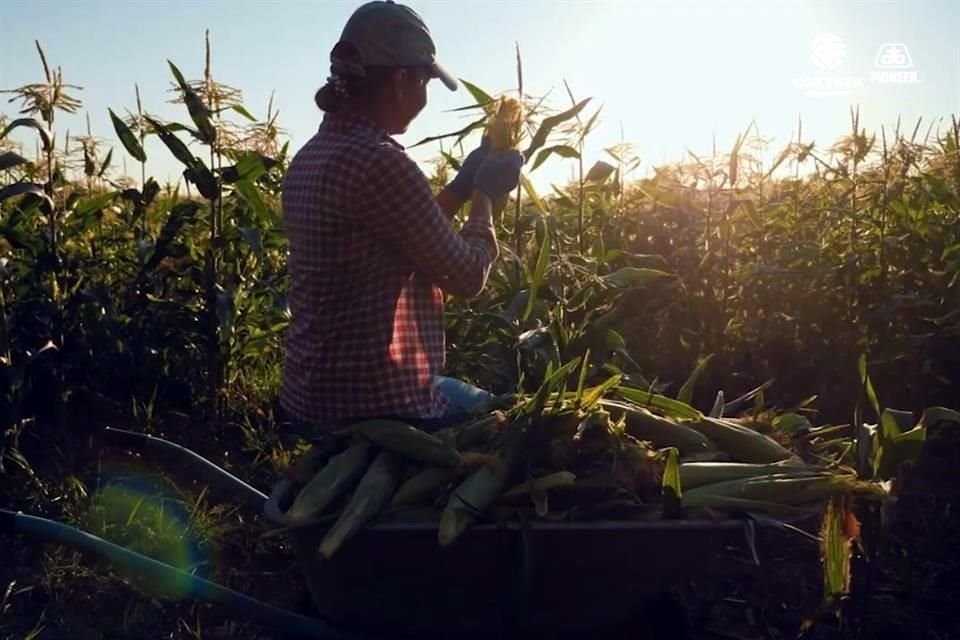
[741, 443]
[504, 130]
[374, 492]
[696, 474]
[334, 480]
[407, 441]
[664, 432]
[423, 486]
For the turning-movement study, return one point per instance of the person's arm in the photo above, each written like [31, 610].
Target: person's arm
[401, 206]
[449, 202]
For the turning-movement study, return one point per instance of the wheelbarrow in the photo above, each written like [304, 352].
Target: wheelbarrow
[393, 580]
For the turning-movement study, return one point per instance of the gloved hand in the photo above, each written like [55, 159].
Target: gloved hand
[462, 183]
[499, 173]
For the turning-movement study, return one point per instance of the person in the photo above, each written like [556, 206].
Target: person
[372, 250]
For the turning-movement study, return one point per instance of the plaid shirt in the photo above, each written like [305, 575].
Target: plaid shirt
[370, 256]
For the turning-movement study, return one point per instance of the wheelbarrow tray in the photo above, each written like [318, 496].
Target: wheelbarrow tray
[549, 576]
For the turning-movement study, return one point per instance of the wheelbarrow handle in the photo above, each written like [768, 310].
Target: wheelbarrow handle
[153, 446]
[185, 584]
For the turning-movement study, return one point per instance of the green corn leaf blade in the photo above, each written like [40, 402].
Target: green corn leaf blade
[179, 76]
[670, 485]
[34, 124]
[106, 163]
[94, 203]
[479, 95]
[562, 150]
[582, 381]
[174, 144]
[127, 138]
[548, 124]
[9, 160]
[686, 391]
[595, 394]
[251, 195]
[242, 111]
[635, 276]
[868, 384]
[531, 192]
[543, 259]
[23, 188]
[668, 406]
[459, 135]
[600, 171]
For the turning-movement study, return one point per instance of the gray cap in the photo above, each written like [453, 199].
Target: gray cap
[385, 33]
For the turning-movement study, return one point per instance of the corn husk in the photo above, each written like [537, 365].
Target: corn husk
[697, 474]
[334, 480]
[423, 487]
[743, 444]
[504, 128]
[665, 432]
[371, 496]
[784, 489]
[407, 441]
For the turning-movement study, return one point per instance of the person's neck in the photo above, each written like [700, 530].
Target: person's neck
[374, 115]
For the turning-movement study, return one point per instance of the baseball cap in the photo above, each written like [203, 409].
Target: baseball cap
[385, 33]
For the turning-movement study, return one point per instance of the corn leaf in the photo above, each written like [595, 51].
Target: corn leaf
[562, 150]
[867, 384]
[34, 124]
[686, 391]
[542, 261]
[668, 406]
[548, 124]
[9, 160]
[127, 138]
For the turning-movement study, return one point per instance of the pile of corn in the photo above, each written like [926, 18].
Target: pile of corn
[559, 456]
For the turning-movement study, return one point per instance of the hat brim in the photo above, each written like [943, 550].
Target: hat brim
[445, 76]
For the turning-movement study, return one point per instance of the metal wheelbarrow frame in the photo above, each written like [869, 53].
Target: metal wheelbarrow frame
[394, 580]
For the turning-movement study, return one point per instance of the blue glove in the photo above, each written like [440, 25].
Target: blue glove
[499, 173]
[462, 183]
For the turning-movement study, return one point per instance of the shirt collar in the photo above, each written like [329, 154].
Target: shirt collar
[356, 124]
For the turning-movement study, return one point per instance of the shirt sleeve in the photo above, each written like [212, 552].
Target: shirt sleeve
[400, 203]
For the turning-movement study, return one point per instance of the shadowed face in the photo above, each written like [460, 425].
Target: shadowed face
[406, 96]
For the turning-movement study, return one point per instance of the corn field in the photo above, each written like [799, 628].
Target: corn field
[815, 298]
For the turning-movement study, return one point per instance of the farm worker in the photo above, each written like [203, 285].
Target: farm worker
[371, 248]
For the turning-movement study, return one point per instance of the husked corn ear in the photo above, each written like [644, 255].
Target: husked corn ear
[504, 127]
[742, 443]
[374, 492]
[423, 486]
[334, 480]
[407, 441]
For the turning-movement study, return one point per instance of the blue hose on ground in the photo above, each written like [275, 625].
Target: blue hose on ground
[188, 585]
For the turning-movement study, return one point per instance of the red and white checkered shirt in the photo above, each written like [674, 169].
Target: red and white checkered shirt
[370, 255]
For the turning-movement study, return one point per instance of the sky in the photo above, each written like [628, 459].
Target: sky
[669, 76]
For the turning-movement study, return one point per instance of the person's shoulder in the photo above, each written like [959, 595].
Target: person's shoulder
[386, 156]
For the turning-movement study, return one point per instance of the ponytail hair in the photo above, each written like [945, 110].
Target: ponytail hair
[350, 82]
